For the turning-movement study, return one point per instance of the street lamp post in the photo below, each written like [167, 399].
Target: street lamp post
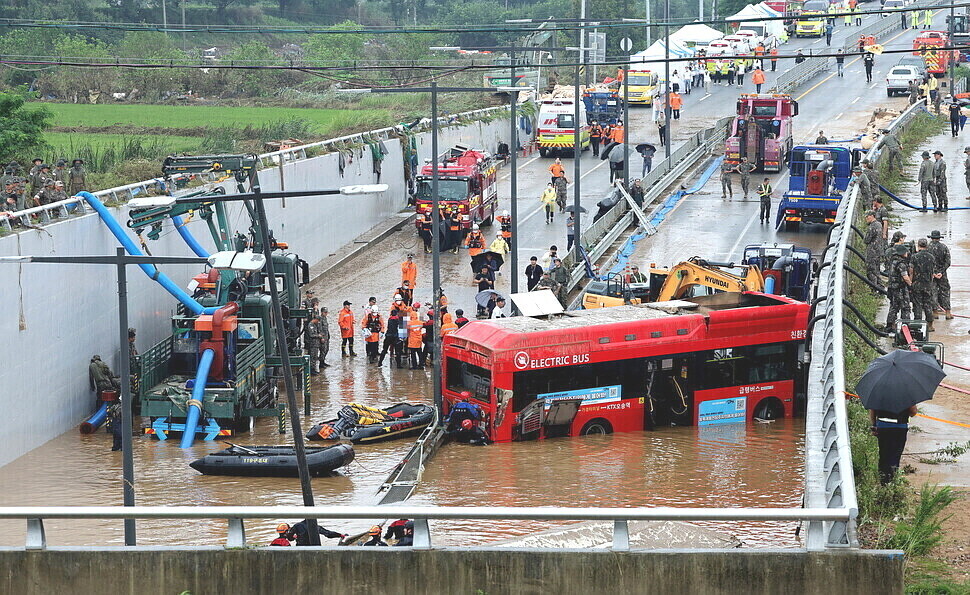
[669, 125]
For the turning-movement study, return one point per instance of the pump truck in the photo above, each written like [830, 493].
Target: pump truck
[818, 178]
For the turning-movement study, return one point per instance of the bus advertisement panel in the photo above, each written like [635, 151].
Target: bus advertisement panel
[709, 360]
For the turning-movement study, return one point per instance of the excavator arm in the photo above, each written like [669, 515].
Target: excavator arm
[697, 271]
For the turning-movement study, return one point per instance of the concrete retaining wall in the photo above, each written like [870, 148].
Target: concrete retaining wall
[58, 316]
[495, 572]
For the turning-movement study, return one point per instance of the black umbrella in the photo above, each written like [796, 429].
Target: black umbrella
[644, 146]
[479, 260]
[900, 379]
[570, 208]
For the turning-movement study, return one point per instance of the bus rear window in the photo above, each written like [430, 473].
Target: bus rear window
[463, 376]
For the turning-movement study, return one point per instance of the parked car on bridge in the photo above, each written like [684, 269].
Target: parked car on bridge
[899, 78]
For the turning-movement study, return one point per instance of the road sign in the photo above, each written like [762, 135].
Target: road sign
[597, 41]
[626, 44]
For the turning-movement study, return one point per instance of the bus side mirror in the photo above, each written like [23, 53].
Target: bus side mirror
[794, 108]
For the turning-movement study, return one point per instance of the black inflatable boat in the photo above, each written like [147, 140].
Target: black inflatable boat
[273, 461]
[364, 425]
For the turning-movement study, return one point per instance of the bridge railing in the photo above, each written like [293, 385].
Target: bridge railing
[36, 538]
[829, 477]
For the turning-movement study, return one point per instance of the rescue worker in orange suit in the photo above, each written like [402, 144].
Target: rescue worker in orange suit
[345, 320]
[281, 539]
[774, 58]
[616, 132]
[505, 221]
[475, 242]
[409, 271]
[424, 232]
[406, 292]
[392, 338]
[454, 233]
[415, 344]
[595, 136]
[447, 325]
[557, 170]
[427, 350]
[373, 326]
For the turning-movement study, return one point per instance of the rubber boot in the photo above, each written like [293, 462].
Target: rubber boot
[949, 315]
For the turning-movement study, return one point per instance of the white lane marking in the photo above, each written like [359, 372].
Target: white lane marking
[873, 85]
[856, 99]
[506, 176]
[540, 207]
[704, 97]
[744, 232]
[839, 116]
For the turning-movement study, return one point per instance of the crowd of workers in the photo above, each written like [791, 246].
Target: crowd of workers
[41, 184]
[400, 531]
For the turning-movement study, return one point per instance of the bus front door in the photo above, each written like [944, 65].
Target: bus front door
[668, 402]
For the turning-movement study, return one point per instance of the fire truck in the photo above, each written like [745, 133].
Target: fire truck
[762, 130]
[928, 46]
[466, 182]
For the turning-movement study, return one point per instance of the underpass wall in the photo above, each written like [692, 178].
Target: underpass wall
[491, 571]
[58, 316]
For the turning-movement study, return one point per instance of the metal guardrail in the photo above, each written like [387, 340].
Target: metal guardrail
[236, 515]
[606, 230]
[828, 457]
[64, 209]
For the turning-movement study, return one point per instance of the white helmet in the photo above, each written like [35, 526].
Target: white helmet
[397, 297]
[505, 212]
[498, 233]
[474, 227]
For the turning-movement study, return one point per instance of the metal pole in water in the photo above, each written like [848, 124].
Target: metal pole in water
[127, 459]
[436, 254]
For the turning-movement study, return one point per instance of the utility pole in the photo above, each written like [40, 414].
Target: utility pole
[435, 255]
[513, 179]
[669, 125]
[647, 4]
[952, 29]
[164, 18]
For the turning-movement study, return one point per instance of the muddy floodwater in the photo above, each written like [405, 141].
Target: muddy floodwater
[734, 465]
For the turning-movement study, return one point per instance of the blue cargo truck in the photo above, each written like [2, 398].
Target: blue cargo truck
[818, 176]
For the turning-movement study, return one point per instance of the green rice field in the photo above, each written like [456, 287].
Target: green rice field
[66, 143]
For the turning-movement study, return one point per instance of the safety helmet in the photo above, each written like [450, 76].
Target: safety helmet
[505, 212]
[397, 297]
[474, 227]
[416, 305]
[467, 424]
[498, 233]
[375, 530]
[282, 528]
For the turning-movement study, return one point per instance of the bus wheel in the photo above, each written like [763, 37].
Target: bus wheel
[543, 151]
[770, 408]
[595, 427]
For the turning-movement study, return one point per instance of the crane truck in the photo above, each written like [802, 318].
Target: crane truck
[762, 130]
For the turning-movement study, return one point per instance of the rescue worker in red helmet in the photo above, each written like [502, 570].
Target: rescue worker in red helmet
[281, 539]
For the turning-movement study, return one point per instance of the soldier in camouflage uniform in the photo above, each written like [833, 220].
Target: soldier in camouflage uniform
[925, 179]
[76, 177]
[882, 215]
[939, 182]
[60, 171]
[875, 247]
[921, 292]
[893, 148]
[312, 337]
[863, 183]
[897, 239]
[744, 168]
[899, 282]
[870, 173]
[941, 252]
[726, 170]
[33, 176]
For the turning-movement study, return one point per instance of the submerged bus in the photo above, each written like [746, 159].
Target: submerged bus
[721, 358]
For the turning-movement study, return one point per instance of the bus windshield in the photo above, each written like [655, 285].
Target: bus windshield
[463, 376]
[447, 189]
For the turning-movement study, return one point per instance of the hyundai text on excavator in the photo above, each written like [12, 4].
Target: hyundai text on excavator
[230, 351]
[762, 131]
[788, 272]
[466, 182]
[819, 174]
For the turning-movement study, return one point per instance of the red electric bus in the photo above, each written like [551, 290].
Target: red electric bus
[721, 358]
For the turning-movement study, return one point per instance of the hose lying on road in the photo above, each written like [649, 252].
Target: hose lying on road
[906, 204]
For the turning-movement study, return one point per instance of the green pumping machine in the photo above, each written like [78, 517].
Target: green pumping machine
[218, 371]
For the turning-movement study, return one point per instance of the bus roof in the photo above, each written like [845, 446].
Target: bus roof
[740, 318]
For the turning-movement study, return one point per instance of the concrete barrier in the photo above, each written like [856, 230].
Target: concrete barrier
[491, 571]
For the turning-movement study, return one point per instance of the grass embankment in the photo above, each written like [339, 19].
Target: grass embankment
[897, 515]
[125, 143]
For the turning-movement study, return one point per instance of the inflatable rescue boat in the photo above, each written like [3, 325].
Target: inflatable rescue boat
[273, 461]
[364, 425]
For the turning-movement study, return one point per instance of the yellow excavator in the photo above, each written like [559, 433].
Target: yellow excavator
[690, 278]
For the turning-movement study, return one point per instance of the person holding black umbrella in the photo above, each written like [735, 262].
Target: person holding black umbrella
[890, 389]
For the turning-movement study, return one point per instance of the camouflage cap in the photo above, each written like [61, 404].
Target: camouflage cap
[870, 213]
[900, 249]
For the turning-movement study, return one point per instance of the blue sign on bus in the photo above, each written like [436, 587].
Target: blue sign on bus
[599, 394]
[722, 411]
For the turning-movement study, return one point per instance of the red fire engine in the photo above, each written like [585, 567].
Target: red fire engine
[466, 183]
[721, 358]
[927, 46]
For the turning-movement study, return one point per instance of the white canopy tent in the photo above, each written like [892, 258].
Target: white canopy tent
[695, 33]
